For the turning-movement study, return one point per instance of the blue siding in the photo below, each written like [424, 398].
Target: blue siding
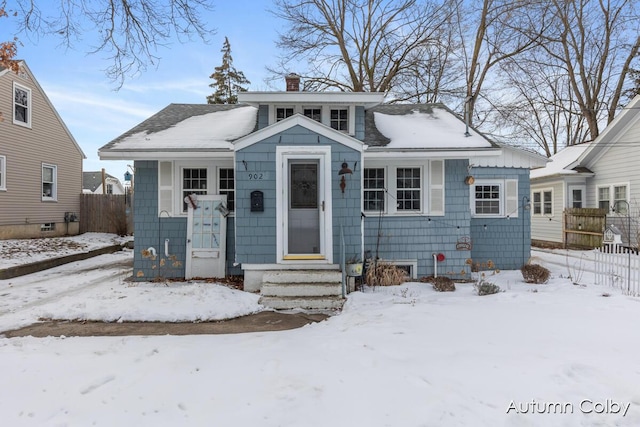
[151, 232]
[419, 237]
[506, 242]
[263, 116]
[359, 130]
[256, 231]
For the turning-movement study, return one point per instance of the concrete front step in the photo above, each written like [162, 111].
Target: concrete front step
[301, 289]
[305, 303]
[302, 276]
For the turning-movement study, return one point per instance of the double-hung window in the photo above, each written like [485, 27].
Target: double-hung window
[374, 189]
[194, 181]
[3, 173]
[408, 189]
[49, 182]
[543, 202]
[21, 105]
[396, 189]
[226, 186]
[495, 198]
[604, 200]
[620, 199]
[339, 119]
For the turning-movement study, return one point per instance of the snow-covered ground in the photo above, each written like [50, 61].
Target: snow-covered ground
[534, 355]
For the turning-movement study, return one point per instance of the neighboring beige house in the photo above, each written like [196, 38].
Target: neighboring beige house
[601, 174]
[92, 184]
[40, 162]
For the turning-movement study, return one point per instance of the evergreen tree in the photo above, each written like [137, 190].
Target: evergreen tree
[227, 80]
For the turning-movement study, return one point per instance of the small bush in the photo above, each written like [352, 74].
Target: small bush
[384, 274]
[535, 273]
[443, 284]
[486, 288]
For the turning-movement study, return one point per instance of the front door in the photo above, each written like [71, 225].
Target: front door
[206, 237]
[304, 199]
[303, 208]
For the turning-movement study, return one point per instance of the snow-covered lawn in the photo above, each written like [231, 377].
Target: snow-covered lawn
[534, 355]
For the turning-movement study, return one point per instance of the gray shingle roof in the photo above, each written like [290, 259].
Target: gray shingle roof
[93, 180]
[170, 116]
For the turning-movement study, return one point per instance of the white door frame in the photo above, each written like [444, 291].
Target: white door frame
[323, 155]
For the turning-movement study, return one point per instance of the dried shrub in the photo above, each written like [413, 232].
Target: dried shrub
[443, 284]
[384, 274]
[535, 273]
[486, 288]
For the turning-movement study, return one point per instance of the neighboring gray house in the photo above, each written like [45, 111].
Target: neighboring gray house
[309, 176]
[40, 162]
[600, 174]
[92, 184]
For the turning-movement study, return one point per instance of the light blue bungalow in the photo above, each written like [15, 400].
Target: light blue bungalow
[284, 186]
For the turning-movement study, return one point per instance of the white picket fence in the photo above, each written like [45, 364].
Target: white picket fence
[619, 268]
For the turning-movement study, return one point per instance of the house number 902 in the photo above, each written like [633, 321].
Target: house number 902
[256, 176]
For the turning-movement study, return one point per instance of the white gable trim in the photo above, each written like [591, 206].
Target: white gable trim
[608, 137]
[305, 122]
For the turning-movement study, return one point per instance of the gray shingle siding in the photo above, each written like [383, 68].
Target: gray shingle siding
[256, 231]
[151, 232]
[419, 237]
[506, 242]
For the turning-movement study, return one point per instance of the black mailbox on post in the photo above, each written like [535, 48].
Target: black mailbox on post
[257, 201]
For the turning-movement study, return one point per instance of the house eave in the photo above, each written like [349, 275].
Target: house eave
[379, 153]
[168, 154]
[366, 99]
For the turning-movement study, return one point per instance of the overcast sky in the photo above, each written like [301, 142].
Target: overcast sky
[96, 113]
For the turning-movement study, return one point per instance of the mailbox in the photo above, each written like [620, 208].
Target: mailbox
[257, 201]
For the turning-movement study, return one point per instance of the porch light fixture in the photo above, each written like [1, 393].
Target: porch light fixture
[341, 173]
[345, 169]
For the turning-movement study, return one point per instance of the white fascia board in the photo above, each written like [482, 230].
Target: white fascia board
[444, 154]
[366, 99]
[298, 120]
[163, 155]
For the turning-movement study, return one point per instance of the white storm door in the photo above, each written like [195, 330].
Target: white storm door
[206, 237]
[304, 201]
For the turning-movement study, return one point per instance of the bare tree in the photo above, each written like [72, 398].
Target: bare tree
[492, 32]
[573, 81]
[128, 31]
[357, 45]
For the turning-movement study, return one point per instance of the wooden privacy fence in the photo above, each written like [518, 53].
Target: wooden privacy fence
[618, 268]
[106, 213]
[583, 227]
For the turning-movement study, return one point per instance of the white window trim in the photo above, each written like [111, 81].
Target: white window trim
[542, 213]
[504, 198]
[3, 173]
[612, 195]
[390, 184]
[54, 193]
[570, 188]
[29, 105]
[385, 198]
[213, 184]
[274, 112]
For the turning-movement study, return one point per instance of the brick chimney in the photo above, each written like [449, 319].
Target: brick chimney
[293, 82]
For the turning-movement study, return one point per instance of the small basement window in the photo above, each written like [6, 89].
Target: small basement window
[48, 226]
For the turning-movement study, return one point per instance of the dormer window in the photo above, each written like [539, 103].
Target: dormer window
[283, 112]
[340, 119]
[21, 105]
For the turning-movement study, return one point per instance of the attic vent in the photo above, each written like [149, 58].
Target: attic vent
[293, 82]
